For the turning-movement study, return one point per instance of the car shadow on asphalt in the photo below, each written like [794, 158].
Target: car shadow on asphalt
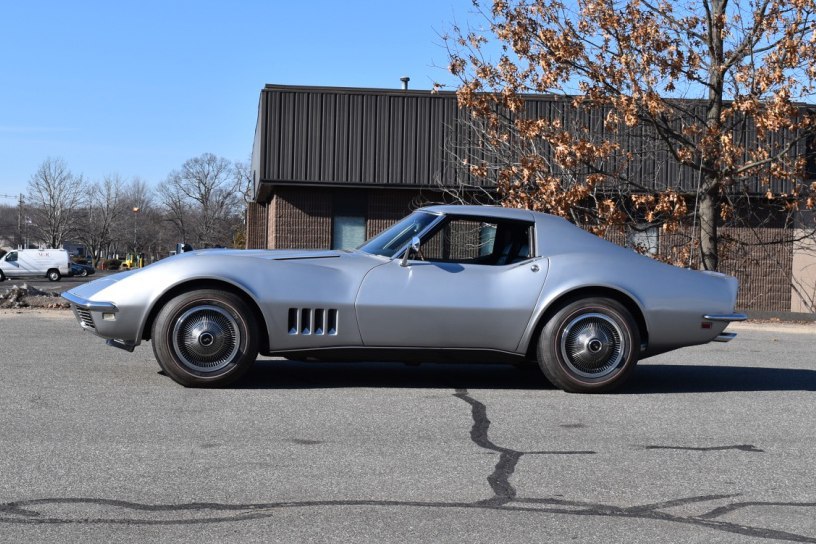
[647, 379]
[278, 374]
[667, 378]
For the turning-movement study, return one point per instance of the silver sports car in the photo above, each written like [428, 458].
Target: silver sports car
[472, 283]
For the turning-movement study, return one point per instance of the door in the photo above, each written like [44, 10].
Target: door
[11, 265]
[473, 284]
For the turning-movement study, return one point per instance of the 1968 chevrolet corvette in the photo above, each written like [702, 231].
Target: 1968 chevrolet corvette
[475, 283]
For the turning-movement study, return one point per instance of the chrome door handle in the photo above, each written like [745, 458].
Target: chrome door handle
[535, 268]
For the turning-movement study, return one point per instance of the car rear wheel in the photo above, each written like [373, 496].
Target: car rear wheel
[53, 275]
[205, 338]
[589, 346]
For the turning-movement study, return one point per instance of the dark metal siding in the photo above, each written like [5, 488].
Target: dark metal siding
[369, 137]
[348, 137]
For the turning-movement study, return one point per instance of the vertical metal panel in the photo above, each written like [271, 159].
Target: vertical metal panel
[329, 135]
[409, 141]
[422, 160]
[395, 139]
[314, 149]
[383, 137]
[369, 148]
[341, 140]
[356, 113]
[271, 153]
[287, 131]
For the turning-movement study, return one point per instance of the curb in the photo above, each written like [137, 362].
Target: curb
[785, 317]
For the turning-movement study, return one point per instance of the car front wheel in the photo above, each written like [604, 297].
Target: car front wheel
[205, 338]
[53, 275]
[589, 346]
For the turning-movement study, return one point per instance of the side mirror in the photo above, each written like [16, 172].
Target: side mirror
[414, 246]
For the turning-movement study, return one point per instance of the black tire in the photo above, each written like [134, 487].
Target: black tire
[589, 346]
[83, 273]
[2, 276]
[205, 338]
[53, 275]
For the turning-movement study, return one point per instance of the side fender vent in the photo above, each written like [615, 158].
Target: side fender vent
[312, 321]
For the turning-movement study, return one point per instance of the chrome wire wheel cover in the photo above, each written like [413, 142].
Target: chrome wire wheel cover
[593, 345]
[206, 338]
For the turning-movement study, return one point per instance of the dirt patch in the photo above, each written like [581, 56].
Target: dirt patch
[25, 296]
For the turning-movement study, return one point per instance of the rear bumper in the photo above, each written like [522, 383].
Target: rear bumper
[725, 317]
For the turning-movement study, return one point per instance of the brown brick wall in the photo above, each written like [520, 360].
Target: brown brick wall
[763, 270]
[257, 215]
[386, 208]
[302, 219]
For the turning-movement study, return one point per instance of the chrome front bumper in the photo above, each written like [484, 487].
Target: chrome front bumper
[84, 309]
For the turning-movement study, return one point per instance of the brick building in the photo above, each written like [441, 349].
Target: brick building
[334, 166]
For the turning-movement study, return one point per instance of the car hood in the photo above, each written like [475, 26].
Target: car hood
[273, 254]
[236, 266]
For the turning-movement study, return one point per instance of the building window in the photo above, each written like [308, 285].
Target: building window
[349, 220]
[644, 239]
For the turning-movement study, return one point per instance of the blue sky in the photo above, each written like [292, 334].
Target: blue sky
[137, 88]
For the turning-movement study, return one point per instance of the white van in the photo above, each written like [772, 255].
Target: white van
[20, 263]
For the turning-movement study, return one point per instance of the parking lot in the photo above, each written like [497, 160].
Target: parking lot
[65, 283]
[708, 444]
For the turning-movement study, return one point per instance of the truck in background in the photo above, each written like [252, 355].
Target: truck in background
[22, 263]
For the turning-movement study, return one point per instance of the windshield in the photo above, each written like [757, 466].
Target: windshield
[388, 242]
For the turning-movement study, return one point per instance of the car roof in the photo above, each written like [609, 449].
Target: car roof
[484, 211]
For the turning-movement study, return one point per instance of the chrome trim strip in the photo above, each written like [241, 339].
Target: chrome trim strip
[725, 317]
[91, 305]
[725, 337]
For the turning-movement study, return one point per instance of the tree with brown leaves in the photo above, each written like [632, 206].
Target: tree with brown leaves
[713, 89]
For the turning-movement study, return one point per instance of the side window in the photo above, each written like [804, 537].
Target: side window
[479, 241]
[12, 257]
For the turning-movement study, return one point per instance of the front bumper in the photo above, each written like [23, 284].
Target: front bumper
[88, 312]
[100, 318]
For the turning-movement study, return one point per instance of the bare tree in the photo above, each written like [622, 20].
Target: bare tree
[9, 231]
[55, 196]
[103, 213]
[203, 200]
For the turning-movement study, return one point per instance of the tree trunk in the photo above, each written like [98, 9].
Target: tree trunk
[710, 191]
[709, 255]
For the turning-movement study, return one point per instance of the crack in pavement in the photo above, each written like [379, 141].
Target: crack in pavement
[499, 480]
[505, 498]
[740, 447]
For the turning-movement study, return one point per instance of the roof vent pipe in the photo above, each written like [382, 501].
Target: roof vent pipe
[405, 80]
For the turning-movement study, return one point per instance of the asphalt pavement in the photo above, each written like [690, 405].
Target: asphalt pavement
[708, 444]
